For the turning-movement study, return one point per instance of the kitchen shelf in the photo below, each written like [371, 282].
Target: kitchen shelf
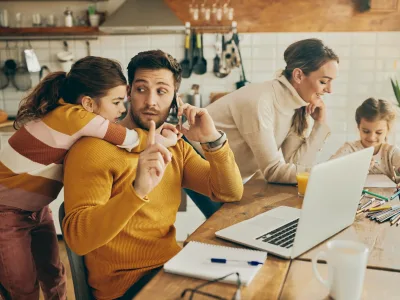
[49, 31]
[53, 0]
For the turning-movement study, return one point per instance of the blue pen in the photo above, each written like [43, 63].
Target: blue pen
[224, 261]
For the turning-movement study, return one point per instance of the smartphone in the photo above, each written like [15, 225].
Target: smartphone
[175, 107]
[175, 101]
[174, 104]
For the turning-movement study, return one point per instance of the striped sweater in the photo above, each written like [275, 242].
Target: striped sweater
[31, 162]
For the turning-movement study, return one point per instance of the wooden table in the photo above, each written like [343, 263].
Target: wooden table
[286, 279]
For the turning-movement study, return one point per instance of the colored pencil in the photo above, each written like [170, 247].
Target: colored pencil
[375, 195]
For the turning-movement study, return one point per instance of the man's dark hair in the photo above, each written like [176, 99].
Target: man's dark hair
[155, 60]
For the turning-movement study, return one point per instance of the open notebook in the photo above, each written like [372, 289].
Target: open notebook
[194, 260]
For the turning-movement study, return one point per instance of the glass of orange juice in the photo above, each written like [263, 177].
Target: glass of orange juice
[302, 174]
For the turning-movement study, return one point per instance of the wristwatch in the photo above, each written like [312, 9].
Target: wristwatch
[218, 142]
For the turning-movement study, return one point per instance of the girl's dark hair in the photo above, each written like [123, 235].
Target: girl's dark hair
[308, 55]
[90, 76]
[376, 110]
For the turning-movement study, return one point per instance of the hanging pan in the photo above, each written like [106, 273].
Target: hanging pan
[22, 78]
[8, 69]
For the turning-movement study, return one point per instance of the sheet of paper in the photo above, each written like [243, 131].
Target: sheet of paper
[380, 181]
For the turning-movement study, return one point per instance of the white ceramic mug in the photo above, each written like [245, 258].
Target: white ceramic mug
[347, 261]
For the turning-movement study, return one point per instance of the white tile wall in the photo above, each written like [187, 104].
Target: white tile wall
[367, 60]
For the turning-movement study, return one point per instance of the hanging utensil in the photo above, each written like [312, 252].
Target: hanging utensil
[10, 65]
[22, 78]
[88, 52]
[195, 50]
[4, 81]
[32, 62]
[44, 71]
[229, 55]
[236, 60]
[185, 63]
[200, 67]
[224, 69]
[243, 81]
[217, 58]
[4, 77]
[65, 58]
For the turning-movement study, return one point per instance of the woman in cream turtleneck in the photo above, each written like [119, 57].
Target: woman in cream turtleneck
[263, 120]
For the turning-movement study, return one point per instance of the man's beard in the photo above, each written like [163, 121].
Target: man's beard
[135, 117]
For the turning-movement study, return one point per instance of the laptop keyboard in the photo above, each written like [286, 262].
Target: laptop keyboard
[282, 236]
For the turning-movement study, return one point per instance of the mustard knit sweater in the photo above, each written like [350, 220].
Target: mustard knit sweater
[121, 235]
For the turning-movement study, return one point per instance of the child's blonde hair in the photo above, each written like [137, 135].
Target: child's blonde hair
[376, 110]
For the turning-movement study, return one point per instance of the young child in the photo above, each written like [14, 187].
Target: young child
[374, 120]
[63, 108]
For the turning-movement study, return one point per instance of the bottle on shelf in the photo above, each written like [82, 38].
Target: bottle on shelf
[195, 96]
[68, 19]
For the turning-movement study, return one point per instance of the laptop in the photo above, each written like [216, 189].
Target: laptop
[330, 204]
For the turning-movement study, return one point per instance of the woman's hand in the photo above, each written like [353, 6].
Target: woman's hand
[317, 111]
[372, 163]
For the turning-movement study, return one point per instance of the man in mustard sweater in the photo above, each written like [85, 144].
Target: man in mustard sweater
[121, 207]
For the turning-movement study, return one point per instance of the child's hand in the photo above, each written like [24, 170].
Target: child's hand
[167, 127]
[167, 135]
[168, 138]
[372, 163]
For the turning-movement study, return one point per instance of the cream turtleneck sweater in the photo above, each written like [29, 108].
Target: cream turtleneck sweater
[258, 122]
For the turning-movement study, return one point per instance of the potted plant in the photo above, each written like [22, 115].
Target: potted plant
[94, 17]
[396, 89]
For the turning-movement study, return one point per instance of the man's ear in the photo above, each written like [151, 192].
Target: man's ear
[128, 90]
[297, 75]
[88, 103]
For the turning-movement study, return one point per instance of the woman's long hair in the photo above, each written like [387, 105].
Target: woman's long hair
[308, 55]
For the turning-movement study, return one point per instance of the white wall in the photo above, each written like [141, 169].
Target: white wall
[366, 62]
